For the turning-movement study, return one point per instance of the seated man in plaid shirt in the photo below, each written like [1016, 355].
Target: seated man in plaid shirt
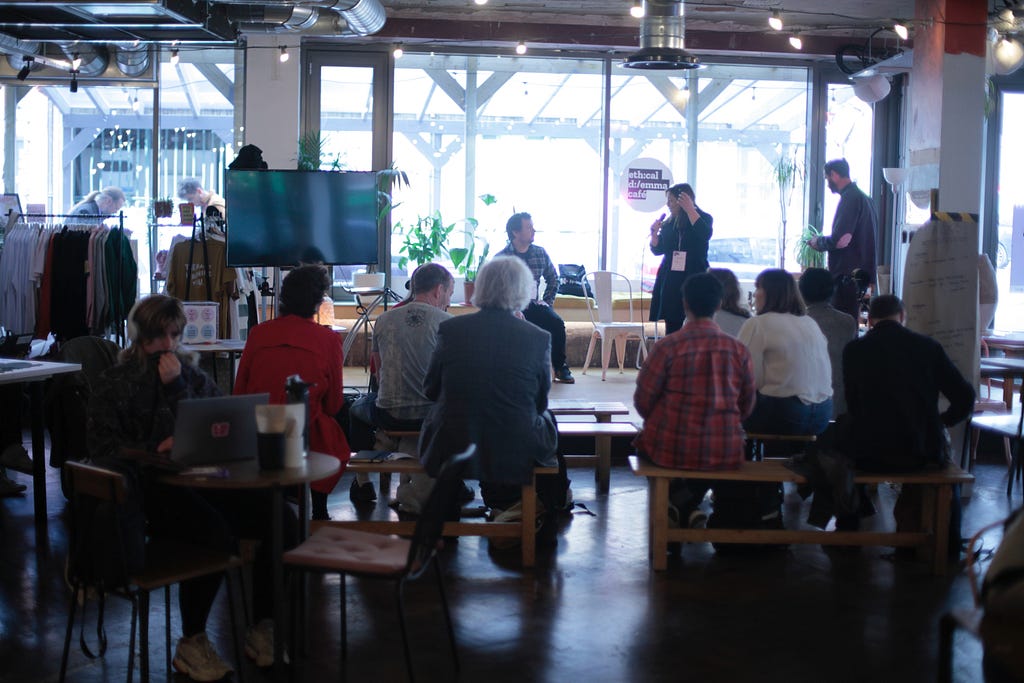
[694, 392]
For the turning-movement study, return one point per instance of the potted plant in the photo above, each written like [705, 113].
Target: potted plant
[424, 240]
[468, 260]
[785, 173]
[163, 208]
[806, 256]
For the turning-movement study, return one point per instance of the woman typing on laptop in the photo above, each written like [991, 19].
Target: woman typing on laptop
[133, 411]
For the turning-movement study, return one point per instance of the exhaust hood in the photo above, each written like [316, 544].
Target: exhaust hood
[662, 39]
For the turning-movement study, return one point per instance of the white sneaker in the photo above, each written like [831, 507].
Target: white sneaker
[698, 519]
[259, 643]
[196, 658]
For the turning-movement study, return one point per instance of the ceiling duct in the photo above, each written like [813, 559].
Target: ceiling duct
[131, 59]
[320, 17]
[662, 39]
[94, 57]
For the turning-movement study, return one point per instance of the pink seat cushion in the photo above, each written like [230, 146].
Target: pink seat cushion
[350, 550]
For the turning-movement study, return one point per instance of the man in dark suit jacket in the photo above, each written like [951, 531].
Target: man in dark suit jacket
[893, 379]
[489, 377]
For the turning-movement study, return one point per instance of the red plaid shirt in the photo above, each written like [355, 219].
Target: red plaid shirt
[693, 393]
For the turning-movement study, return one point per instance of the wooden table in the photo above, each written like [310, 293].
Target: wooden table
[1010, 343]
[602, 411]
[1008, 370]
[34, 373]
[246, 474]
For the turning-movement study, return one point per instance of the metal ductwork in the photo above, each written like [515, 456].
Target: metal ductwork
[319, 17]
[131, 59]
[95, 58]
[662, 39]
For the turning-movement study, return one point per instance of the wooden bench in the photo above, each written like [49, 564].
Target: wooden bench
[602, 432]
[934, 515]
[525, 529]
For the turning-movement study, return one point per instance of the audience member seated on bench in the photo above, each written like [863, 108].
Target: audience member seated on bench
[693, 393]
[817, 286]
[893, 379]
[133, 411]
[490, 376]
[293, 344]
[403, 342]
[793, 377]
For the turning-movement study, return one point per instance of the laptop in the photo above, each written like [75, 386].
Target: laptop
[216, 430]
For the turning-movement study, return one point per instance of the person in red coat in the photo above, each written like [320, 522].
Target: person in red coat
[293, 344]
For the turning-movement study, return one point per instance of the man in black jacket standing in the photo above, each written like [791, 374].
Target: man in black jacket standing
[851, 246]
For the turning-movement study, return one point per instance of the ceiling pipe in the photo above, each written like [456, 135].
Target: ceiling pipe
[662, 38]
[18, 49]
[95, 58]
[361, 17]
[131, 59]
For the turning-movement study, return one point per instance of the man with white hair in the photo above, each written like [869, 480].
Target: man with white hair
[489, 378]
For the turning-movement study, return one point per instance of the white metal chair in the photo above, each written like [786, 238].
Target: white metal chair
[602, 283]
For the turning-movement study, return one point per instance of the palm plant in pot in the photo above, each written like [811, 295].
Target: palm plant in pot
[468, 260]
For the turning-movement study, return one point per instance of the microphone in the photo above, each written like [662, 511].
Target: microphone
[661, 218]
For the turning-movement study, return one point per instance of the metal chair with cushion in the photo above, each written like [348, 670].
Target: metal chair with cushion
[380, 556]
[606, 329]
[100, 560]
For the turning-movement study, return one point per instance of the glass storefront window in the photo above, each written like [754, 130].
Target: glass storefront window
[1010, 213]
[525, 130]
[723, 130]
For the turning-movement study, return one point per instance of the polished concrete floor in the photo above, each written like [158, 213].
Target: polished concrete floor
[590, 611]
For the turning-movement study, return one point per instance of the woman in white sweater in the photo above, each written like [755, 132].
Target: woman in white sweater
[791, 365]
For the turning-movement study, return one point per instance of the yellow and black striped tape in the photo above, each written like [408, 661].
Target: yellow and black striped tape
[955, 216]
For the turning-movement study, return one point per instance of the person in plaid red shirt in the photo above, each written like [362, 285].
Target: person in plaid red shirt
[694, 392]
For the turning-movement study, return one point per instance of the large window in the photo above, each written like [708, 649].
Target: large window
[725, 130]
[1010, 216]
[526, 131]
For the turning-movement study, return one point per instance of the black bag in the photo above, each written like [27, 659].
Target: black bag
[572, 280]
[745, 505]
[101, 559]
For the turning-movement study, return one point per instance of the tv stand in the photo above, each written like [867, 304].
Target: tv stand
[364, 323]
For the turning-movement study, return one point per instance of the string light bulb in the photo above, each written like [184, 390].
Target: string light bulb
[637, 10]
[76, 62]
[796, 41]
[480, 2]
[174, 57]
[775, 20]
[901, 30]
[74, 81]
[397, 52]
[521, 48]
[284, 54]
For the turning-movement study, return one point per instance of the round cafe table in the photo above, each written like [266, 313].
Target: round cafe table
[246, 474]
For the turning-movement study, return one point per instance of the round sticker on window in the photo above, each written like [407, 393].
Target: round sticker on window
[644, 184]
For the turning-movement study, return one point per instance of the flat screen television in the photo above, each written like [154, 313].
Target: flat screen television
[284, 218]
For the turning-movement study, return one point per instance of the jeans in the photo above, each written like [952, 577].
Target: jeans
[365, 417]
[788, 415]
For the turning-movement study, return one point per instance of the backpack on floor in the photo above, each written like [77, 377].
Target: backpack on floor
[744, 505]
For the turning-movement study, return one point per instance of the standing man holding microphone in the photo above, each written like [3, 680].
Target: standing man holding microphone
[683, 240]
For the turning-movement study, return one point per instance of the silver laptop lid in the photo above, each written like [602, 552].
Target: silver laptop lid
[219, 429]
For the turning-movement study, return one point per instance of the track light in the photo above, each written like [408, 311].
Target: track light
[480, 2]
[25, 69]
[174, 57]
[796, 42]
[521, 48]
[637, 10]
[74, 81]
[284, 54]
[901, 30]
[397, 52]
[775, 20]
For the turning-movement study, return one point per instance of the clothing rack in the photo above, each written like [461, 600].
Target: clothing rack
[117, 315]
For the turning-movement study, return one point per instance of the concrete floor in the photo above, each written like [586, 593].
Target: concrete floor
[590, 611]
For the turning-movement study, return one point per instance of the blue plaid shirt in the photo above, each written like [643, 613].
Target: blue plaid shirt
[539, 263]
